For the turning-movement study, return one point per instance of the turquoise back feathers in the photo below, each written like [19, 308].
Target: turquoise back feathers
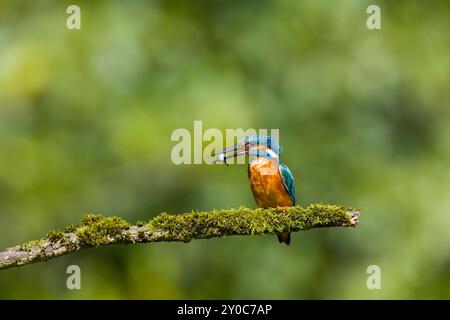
[288, 181]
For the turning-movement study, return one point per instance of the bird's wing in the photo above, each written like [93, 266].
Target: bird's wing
[288, 181]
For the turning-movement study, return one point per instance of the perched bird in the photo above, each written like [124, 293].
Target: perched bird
[271, 180]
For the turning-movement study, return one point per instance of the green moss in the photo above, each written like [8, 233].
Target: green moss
[55, 235]
[71, 228]
[244, 221]
[141, 223]
[93, 230]
[27, 246]
[96, 230]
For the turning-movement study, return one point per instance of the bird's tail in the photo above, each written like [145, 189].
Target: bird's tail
[284, 237]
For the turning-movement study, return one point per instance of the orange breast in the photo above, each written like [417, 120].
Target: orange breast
[268, 189]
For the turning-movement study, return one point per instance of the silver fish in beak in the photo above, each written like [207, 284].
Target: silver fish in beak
[229, 153]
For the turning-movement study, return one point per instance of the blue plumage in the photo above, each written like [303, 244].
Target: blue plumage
[288, 180]
[264, 141]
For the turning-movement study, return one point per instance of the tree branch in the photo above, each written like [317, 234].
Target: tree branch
[97, 230]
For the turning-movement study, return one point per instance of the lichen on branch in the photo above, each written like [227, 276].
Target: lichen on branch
[96, 230]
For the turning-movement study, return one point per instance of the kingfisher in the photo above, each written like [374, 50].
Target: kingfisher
[271, 181]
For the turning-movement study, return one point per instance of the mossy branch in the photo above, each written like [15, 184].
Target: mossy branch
[97, 230]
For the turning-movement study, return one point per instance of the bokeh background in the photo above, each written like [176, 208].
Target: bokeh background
[86, 118]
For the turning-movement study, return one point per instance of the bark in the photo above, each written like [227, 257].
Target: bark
[97, 230]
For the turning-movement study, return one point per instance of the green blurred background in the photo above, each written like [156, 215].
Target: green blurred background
[86, 118]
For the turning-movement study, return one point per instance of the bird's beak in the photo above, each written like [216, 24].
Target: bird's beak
[230, 152]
